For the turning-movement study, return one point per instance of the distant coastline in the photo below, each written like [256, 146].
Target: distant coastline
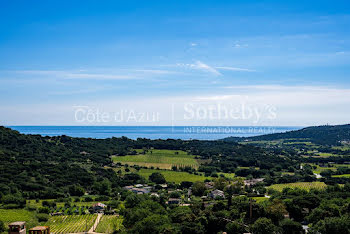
[154, 132]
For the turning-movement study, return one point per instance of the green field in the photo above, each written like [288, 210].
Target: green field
[334, 167]
[71, 223]
[344, 175]
[12, 215]
[260, 199]
[173, 176]
[301, 185]
[109, 224]
[163, 159]
[59, 204]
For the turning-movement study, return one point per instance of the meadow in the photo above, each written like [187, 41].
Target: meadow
[260, 199]
[301, 185]
[39, 204]
[71, 223]
[174, 176]
[319, 169]
[163, 159]
[344, 175]
[13, 215]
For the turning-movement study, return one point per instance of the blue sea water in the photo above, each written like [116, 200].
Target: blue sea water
[153, 132]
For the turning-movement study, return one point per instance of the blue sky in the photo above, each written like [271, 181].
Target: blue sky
[158, 56]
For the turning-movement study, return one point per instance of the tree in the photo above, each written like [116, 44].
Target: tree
[198, 188]
[2, 226]
[234, 227]
[153, 224]
[291, 227]
[220, 183]
[76, 190]
[276, 209]
[157, 178]
[263, 226]
[338, 225]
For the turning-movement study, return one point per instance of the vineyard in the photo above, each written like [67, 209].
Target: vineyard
[71, 223]
[109, 224]
[163, 159]
[301, 185]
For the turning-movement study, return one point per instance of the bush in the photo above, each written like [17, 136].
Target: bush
[44, 210]
[2, 226]
[157, 178]
[42, 217]
[88, 199]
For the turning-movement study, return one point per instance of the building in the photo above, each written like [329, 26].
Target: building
[140, 190]
[174, 201]
[57, 213]
[253, 181]
[17, 228]
[209, 185]
[216, 194]
[40, 230]
[98, 207]
[154, 195]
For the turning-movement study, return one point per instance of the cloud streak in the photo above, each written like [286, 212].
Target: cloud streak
[235, 69]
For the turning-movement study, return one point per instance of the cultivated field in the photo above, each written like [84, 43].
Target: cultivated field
[71, 223]
[109, 224]
[301, 185]
[163, 159]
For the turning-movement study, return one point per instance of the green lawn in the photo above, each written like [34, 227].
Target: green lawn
[301, 185]
[163, 159]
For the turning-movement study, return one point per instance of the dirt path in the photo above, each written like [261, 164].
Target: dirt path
[92, 229]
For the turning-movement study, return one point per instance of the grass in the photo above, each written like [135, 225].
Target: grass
[227, 175]
[59, 204]
[12, 215]
[71, 223]
[344, 175]
[163, 159]
[319, 169]
[109, 224]
[174, 176]
[301, 185]
[260, 199]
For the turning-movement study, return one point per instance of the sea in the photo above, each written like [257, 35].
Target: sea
[155, 132]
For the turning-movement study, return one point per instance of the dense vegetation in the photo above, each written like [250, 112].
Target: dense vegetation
[299, 182]
[326, 135]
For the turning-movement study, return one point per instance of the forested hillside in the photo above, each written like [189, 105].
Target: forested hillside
[327, 134]
[48, 167]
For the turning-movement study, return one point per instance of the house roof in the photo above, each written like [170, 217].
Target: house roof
[39, 228]
[18, 223]
[99, 204]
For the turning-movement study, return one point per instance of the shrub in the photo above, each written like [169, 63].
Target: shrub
[42, 217]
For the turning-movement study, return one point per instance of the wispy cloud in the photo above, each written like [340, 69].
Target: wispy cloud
[100, 74]
[76, 74]
[235, 69]
[205, 67]
[198, 65]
